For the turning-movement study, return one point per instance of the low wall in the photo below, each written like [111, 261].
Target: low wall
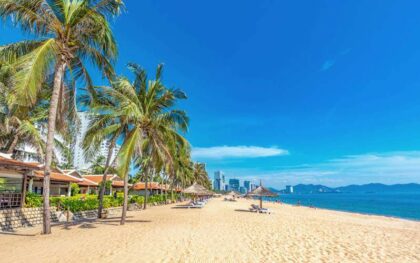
[10, 219]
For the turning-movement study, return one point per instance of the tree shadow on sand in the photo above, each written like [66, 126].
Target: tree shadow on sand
[92, 223]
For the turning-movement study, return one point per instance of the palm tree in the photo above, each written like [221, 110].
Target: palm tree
[68, 32]
[153, 124]
[104, 126]
[98, 165]
[200, 175]
[22, 125]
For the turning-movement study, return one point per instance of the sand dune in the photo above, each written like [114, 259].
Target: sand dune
[223, 232]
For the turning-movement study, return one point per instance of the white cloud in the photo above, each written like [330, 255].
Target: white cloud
[388, 168]
[220, 152]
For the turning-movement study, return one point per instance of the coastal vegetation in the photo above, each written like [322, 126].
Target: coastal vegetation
[39, 78]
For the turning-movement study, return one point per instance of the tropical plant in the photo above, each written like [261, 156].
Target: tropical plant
[23, 125]
[98, 165]
[67, 33]
[200, 175]
[103, 126]
[75, 189]
[153, 124]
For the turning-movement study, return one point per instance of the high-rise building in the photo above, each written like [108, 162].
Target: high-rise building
[247, 185]
[226, 187]
[79, 161]
[289, 189]
[242, 190]
[234, 185]
[219, 181]
[253, 186]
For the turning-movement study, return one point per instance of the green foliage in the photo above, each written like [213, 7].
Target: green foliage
[75, 203]
[75, 189]
[110, 201]
[137, 199]
[33, 200]
[156, 199]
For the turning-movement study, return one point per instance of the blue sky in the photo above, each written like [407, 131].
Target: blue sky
[288, 91]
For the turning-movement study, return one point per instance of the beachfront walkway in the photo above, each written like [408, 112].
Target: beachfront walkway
[222, 232]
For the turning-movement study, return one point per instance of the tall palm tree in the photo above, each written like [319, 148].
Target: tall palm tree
[154, 125]
[104, 126]
[200, 175]
[67, 33]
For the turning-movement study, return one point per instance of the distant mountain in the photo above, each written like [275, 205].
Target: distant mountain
[366, 188]
[312, 188]
[379, 188]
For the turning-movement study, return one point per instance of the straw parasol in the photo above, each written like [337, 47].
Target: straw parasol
[197, 190]
[262, 192]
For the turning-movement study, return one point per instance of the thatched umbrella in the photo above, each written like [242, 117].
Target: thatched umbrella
[197, 190]
[262, 192]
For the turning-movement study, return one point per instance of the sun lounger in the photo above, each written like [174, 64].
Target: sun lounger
[255, 208]
[264, 210]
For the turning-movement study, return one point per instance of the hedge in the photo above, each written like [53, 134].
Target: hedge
[90, 202]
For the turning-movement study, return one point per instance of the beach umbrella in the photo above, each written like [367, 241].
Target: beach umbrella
[261, 192]
[197, 190]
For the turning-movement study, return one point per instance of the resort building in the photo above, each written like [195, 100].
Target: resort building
[18, 178]
[117, 184]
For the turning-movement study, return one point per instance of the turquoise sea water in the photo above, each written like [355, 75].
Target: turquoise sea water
[403, 205]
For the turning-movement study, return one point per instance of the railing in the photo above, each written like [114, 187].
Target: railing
[10, 200]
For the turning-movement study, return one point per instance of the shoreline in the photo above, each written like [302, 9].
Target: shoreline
[347, 211]
[355, 213]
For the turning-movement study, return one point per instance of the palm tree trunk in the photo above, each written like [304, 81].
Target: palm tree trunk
[13, 145]
[172, 190]
[107, 165]
[125, 204]
[145, 189]
[52, 115]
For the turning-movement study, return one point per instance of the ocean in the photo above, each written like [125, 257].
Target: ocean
[402, 205]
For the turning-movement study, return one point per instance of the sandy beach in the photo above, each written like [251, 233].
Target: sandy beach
[222, 232]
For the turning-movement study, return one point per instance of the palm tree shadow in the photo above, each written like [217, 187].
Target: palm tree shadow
[17, 234]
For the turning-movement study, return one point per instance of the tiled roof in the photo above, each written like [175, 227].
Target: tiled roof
[150, 186]
[87, 182]
[54, 176]
[19, 164]
[97, 178]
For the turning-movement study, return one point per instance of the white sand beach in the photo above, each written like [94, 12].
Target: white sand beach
[222, 232]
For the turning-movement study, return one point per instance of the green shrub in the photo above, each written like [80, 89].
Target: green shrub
[75, 189]
[138, 199]
[74, 203]
[33, 200]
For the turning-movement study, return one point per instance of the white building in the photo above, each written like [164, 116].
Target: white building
[79, 161]
[289, 189]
